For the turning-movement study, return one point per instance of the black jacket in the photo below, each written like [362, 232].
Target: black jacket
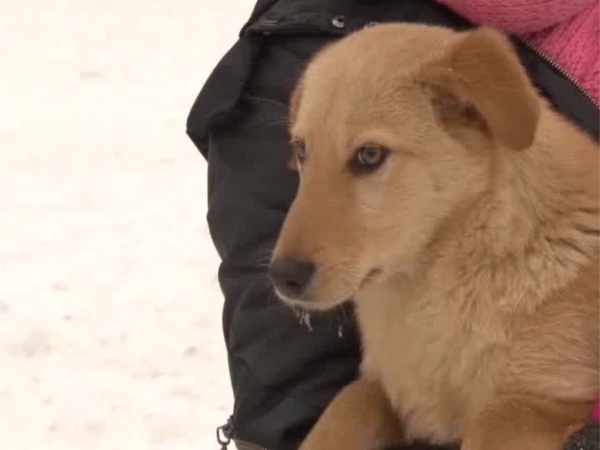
[283, 369]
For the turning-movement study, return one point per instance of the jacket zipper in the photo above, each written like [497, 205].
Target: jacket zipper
[225, 436]
[557, 67]
[225, 433]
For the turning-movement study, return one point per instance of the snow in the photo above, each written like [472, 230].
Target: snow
[110, 310]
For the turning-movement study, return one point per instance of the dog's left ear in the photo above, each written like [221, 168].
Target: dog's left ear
[481, 73]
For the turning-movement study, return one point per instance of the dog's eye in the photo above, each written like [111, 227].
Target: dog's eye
[299, 147]
[368, 158]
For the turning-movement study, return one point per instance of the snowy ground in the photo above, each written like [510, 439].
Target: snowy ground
[110, 312]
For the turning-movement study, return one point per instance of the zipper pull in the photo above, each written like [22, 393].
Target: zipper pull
[225, 433]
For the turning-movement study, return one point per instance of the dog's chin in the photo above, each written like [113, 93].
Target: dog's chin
[310, 305]
[313, 306]
[316, 306]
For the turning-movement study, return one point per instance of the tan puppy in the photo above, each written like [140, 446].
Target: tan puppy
[461, 214]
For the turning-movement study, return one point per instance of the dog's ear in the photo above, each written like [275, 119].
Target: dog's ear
[481, 77]
[295, 99]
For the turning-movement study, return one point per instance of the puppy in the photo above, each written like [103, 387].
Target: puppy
[460, 213]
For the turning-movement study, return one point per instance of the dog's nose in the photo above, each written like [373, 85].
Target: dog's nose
[291, 276]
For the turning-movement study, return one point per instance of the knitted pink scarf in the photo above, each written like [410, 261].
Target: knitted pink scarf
[567, 31]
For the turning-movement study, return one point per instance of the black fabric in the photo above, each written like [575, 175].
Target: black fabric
[283, 369]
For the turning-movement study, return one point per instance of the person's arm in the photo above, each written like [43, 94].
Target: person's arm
[518, 16]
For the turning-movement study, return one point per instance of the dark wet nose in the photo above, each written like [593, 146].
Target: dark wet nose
[290, 276]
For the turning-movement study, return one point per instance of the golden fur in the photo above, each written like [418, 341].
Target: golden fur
[471, 254]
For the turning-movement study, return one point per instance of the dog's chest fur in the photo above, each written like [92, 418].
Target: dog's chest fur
[428, 360]
[439, 347]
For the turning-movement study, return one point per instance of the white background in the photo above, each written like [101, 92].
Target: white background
[110, 311]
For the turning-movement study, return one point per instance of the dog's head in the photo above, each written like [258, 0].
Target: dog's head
[393, 129]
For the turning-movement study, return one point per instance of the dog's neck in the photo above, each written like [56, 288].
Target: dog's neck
[535, 227]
